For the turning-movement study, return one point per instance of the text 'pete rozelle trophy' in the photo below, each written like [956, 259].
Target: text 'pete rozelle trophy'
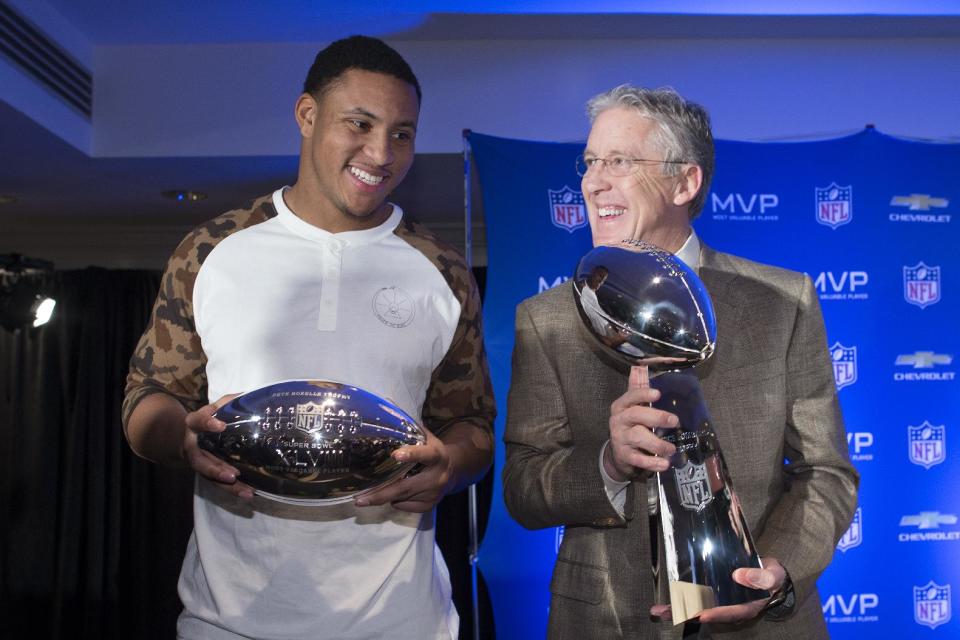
[650, 310]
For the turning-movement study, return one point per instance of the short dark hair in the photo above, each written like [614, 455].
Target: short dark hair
[357, 52]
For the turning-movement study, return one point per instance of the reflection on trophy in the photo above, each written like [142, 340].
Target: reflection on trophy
[650, 310]
[313, 442]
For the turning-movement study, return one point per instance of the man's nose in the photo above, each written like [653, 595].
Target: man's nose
[380, 150]
[595, 180]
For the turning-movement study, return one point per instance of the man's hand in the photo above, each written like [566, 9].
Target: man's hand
[418, 493]
[771, 578]
[210, 467]
[633, 446]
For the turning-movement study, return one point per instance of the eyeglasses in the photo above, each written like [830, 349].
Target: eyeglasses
[618, 166]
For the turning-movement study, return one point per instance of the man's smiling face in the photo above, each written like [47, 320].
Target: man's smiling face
[358, 145]
[635, 206]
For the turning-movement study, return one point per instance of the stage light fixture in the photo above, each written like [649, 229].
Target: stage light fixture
[22, 301]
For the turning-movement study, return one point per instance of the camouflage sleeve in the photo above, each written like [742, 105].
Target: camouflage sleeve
[168, 359]
[460, 389]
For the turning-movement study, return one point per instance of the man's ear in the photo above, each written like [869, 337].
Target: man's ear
[688, 186]
[306, 111]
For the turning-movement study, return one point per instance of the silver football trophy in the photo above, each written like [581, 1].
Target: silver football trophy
[650, 310]
[313, 442]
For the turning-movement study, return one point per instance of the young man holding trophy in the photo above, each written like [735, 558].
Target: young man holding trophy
[589, 442]
[323, 285]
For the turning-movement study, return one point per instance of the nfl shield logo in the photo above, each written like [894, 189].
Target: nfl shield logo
[921, 285]
[309, 417]
[567, 209]
[854, 535]
[834, 205]
[928, 444]
[692, 486]
[844, 365]
[931, 604]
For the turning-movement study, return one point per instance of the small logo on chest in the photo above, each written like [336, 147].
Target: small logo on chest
[394, 307]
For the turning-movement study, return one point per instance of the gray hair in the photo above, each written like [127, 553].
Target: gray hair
[683, 134]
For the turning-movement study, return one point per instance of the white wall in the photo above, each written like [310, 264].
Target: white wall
[189, 100]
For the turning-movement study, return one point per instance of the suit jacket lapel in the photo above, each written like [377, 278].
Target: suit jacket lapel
[729, 306]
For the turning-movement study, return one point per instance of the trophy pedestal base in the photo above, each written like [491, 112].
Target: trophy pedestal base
[687, 600]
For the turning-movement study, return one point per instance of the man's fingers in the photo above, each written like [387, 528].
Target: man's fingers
[238, 489]
[734, 613]
[207, 465]
[212, 468]
[769, 579]
[648, 417]
[402, 498]
[643, 440]
[633, 397]
[418, 492]
[661, 612]
[634, 442]
[639, 378]
[400, 489]
[640, 460]
[756, 578]
[222, 474]
[424, 454]
[202, 420]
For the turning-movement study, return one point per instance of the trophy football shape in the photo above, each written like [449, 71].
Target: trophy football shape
[313, 442]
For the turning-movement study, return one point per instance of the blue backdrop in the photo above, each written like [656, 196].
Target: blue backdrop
[869, 218]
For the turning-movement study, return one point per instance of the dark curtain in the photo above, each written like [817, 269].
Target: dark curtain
[91, 537]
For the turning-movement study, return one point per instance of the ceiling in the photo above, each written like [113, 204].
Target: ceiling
[209, 21]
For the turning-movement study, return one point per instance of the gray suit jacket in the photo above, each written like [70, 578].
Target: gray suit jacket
[771, 393]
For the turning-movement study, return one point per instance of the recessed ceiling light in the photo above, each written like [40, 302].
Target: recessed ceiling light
[184, 196]
[8, 199]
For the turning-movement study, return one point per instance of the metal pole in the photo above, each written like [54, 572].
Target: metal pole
[472, 489]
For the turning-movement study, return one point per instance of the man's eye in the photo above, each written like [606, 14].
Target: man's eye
[618, 162]
[590, 162]
[360, 124]
[403, 136]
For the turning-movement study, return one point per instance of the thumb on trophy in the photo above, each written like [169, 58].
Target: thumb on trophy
[756, 578]
[639, 377]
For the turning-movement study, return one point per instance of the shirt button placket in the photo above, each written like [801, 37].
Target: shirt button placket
[331, 257]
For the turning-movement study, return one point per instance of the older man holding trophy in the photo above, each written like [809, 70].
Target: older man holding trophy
[632, 465]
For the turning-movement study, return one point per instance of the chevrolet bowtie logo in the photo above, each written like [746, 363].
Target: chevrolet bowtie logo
[919, 202]
[924, 359]
[928, 520]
